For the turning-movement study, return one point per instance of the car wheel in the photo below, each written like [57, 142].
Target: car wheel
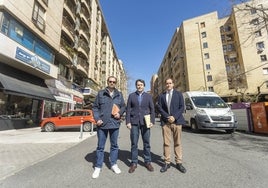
[49, 127]
[194, 126]
[230, 131]
[87, 126]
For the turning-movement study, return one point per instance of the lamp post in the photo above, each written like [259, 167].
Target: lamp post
[202, 58]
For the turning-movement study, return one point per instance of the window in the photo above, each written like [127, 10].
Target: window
[230, 47]
[206, 55]
[255, 21]
[260, 46]
[253, 11]
[258, 34]
[229, 37]
[203, 34]
[39, 16]
[205, 45]
[224, 47]
[207, 66]
[23, 36]
[202, 24]
[209, 78]
[5, 25]
[265, 70]
[263, 58]
[211, 89]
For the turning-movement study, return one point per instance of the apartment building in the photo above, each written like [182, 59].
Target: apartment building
[52, 58]
[226, 55]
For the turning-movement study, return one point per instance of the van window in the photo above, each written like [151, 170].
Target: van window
[209, 102]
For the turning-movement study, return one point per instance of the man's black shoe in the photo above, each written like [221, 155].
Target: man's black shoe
[180, 167]
[165, 167]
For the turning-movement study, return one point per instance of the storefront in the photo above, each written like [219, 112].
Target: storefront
[66, 99]
[21, 98]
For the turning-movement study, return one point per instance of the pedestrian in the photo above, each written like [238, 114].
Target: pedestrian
[171, 106]
[139, 105]
[108, 122]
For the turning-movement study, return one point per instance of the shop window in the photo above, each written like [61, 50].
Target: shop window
[15, 106]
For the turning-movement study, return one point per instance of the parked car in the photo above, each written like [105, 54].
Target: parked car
[207, 110]
[70, 119]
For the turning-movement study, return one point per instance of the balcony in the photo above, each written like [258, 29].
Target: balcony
[68, 28]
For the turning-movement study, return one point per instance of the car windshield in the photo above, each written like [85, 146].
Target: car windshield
[209, 102]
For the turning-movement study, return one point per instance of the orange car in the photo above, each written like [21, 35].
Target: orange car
[70, 119]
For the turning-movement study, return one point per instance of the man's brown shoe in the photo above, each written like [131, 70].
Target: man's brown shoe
[132, 168]
[149, 167]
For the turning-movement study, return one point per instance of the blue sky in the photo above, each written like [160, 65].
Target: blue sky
[141, 30]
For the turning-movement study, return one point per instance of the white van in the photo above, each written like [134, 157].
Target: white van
[206, 110]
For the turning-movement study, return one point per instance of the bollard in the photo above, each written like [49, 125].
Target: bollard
[81, 129]
[92, 126]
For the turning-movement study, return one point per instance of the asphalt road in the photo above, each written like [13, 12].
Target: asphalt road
[213, 159]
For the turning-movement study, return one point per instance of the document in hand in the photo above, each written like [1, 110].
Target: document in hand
[147, 119]
[115, 109]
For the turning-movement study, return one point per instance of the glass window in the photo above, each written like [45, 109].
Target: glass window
[16, 31]
[205, 45]
[258, 34]
[5, 24]
[263, 58]
[39, 16]
[209, 78]
[202, 24]
[211, 89]
[204, 34]
[255, 21]
[265, 70]
[207, 66]
[253, 11]
[260, 45]
[206, 55]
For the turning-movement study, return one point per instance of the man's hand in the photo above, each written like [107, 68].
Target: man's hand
[99, 122]
[129, 125]
[171, 119]
[117, 116]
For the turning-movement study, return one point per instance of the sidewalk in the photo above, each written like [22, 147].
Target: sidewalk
[20, 148]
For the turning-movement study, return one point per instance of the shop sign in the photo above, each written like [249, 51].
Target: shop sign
[32, 60]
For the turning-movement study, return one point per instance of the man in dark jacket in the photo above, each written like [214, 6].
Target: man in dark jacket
[140, 104]
[171, 108]
[108, 123]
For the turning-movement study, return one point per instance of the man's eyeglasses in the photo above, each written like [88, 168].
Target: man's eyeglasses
[114, 82]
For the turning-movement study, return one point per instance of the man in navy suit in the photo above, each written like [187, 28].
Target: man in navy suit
[140, 104]
[171, 107]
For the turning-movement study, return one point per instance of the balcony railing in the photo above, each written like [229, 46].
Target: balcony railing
[68, 25]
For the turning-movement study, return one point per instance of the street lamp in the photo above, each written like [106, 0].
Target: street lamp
[202, 58]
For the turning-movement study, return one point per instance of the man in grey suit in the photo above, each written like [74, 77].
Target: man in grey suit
[171, 107]
[140, 104]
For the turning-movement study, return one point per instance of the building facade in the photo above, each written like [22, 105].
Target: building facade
[52, 58]
[226, 55]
